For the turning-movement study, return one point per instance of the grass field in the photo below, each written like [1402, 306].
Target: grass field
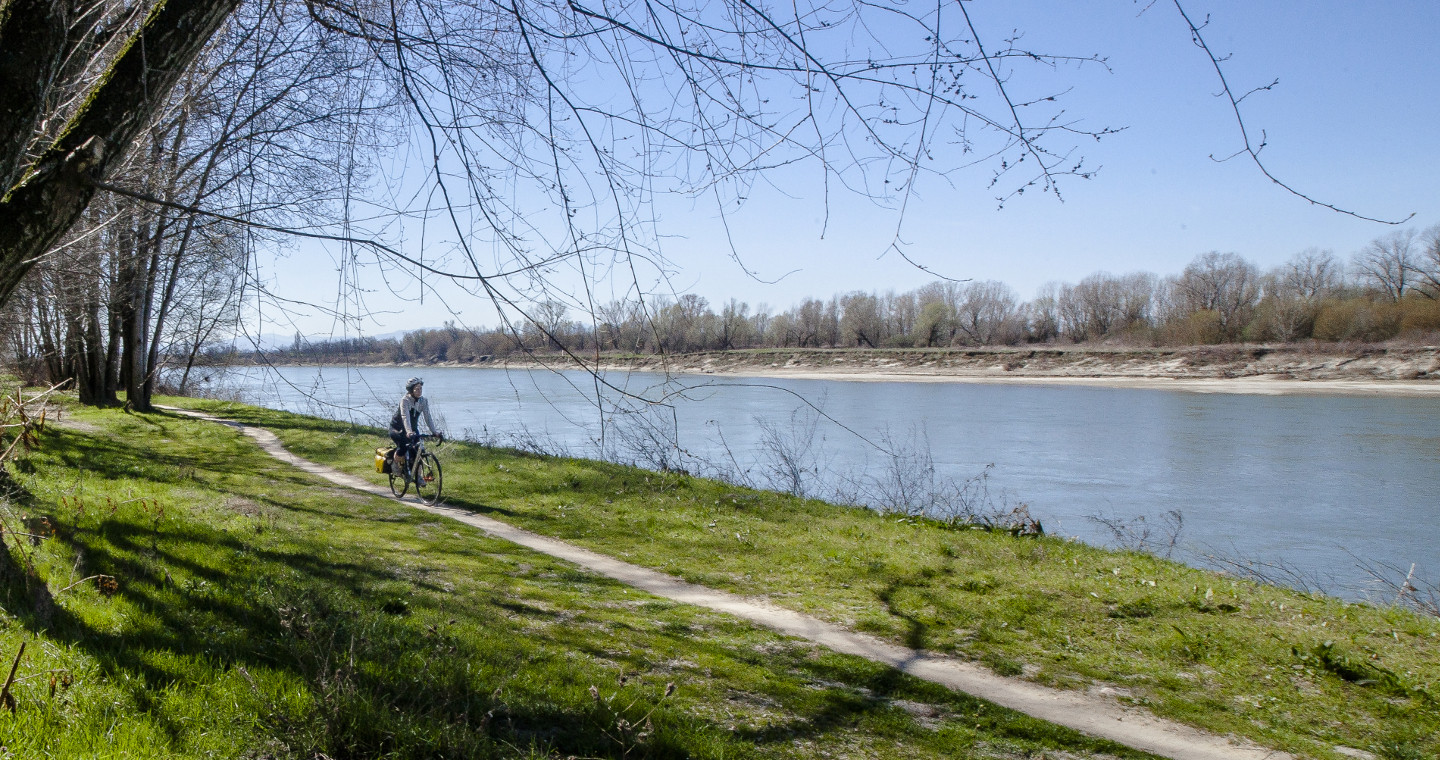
[248, 610]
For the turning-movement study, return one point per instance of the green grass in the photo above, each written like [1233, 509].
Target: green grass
[1290, 671]
[244, 609]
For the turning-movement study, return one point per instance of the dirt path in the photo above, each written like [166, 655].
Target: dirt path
[1092, 713]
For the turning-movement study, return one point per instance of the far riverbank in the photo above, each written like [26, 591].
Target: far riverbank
[1246, 369]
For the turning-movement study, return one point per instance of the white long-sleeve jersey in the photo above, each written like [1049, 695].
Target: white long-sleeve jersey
[409, 413]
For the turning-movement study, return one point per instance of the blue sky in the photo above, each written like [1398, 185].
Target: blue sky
[1352, 121]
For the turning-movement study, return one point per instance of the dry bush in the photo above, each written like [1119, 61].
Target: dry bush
[794, 453]
[1419, 316]
[1357, 319]
[1402, 587]
[1159, 536]
[908, 484]
[1198, 328]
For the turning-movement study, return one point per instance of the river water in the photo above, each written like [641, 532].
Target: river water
[1313, 487]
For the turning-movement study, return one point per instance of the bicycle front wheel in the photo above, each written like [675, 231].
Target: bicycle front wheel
[428, 479]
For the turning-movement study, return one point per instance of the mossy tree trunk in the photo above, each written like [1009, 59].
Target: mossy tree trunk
[43, 198]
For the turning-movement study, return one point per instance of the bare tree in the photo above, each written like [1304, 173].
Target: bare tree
[901, 311]
[208, 307]
[247, 129]
[1223, 284]
[1427, 270]
[550, 129]
[735, 327]
[1075, 319]
[1103, 304]
[1294, 291]
[862, 322]
[1139, 292]
[551, 317]
[1389, 263]
[682, 325]
[1312, 274]
[624, 325]
[1043, 313]
[1099, 296]
[988, 314]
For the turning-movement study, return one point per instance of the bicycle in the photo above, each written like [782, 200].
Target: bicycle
[423, 470]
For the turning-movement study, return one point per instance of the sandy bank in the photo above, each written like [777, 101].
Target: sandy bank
[1262, 370]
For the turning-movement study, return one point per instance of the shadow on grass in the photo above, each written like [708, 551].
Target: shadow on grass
[288, 608]
[915, 628]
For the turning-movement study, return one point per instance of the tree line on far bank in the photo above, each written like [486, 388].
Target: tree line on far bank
[1390, 289]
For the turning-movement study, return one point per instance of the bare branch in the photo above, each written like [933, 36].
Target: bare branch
[1250, 148]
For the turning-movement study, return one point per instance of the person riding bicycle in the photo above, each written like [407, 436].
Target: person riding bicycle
[405, 425]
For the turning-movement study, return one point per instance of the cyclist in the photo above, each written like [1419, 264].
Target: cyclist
[405, 425]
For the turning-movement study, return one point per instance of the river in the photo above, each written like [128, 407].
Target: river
[1314, 487]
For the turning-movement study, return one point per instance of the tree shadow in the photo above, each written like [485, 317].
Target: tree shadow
[917, 583]
[374, 672]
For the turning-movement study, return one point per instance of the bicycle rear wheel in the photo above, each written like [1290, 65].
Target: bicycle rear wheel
[398, 482]
[428, 479]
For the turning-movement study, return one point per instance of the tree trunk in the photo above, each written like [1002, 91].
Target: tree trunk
[177, 256]
[87, 373]
[94, 359]
[112, 348]
[132, 322]
[56, 189]
[33, 41]
[50, 350]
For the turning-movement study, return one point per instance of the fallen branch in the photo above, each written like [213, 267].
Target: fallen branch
[77, 583]
[16, 414]
[7, 700]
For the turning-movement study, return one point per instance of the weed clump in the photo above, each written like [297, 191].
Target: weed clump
[1139, 608]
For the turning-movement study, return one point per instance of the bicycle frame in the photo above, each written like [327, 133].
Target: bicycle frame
[417, 450]
[422, 470]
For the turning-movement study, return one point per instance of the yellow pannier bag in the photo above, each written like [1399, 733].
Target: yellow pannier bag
[382, 460]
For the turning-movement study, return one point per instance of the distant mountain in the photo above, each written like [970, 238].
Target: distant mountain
[396, 335]
[264, 342]
[273, 341]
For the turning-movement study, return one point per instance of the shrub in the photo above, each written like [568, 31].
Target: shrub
[1357, 319]
[1197, 328]
[1420, 315]
[1281, 319]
